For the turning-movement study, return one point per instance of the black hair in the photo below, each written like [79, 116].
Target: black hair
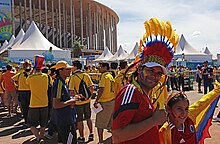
[45, 70]
[123, 64]
[114, 65]
[77, 64]
[57, 72]
[8, 67]
[177, 98]
[105, 65]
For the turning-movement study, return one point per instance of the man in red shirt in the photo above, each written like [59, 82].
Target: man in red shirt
[135, 118]
[9, 88]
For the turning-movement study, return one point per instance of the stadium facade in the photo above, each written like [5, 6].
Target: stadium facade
[64, 21]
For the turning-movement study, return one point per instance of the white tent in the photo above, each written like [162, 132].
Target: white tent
[106, 55]
[119, 55]
[4, 45]
[207, 51]
[133, 53]
[34, 43]
[8, 45]
[18, 39]
[185, 51]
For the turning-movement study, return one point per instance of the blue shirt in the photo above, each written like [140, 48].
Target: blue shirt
[66, 115]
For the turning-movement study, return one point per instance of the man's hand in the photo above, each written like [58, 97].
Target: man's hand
[95, 105]
[159, 115]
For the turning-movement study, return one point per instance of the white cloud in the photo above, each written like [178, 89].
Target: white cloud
[190, 18]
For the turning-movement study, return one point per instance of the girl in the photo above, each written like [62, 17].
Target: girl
[182, 123]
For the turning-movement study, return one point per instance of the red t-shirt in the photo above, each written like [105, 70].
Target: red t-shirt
[131, 106]
[187, 136]
[8, 84]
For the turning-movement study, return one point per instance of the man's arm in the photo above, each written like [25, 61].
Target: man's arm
[135, 130]
[100, 92]
[59, 104]
[1, 84]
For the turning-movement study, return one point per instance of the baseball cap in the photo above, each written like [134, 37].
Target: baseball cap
[62, 64]
[154, 64]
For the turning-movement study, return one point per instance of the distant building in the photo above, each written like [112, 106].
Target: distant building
[63, 21]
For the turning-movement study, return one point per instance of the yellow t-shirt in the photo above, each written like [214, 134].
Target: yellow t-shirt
[21, 79]
[159, 93]
[120, 81]
[94, 74]
[74, 84]
[38, 85]
[107, 82]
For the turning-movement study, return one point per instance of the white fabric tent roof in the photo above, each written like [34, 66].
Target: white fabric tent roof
[207, 51]
[184, 47]
[34, 40]
[34, 43]
[8, 45]
[106, 55]
[4, 45]
[18, 39]
[190, 53]
[119, 55]
[134, 52]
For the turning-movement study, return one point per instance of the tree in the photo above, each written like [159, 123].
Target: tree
[76, 49]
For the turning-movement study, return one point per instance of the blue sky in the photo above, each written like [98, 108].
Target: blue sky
[197, 20]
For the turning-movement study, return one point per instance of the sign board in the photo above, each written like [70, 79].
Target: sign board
[5, 19]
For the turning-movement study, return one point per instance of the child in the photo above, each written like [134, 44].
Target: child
[182, 123]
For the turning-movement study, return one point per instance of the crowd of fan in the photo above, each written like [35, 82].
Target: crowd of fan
[49, 95]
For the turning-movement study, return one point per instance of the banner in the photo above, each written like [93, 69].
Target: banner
[5, 19]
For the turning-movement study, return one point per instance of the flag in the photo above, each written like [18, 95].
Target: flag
[204, 120]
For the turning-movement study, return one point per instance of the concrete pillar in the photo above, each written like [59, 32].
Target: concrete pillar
[25, 15]
[30, 7]
[81, 20]
[71, 22]
[40, 14]
[45, 2]
[60, 35]
[52, 7]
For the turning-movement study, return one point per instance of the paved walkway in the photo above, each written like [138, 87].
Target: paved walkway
[12, 130]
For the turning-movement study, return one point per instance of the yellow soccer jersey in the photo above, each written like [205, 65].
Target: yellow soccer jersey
[107, 82]
[21, 79]
[38, 85]
[120, 81]
[94, 76]
[159, 93]
[74, 84]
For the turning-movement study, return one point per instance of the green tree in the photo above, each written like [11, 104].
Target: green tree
[76, 49]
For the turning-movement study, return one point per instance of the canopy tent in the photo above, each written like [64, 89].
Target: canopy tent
[106, 55]
[3, 49]
[34, 43]
[119, 55]
[207, 51]
[18, 39]
[185, 51]
[4, 45]
[133, 53]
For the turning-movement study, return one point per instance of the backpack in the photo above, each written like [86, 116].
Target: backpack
[83, 88]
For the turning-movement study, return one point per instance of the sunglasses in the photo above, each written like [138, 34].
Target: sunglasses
[152, 71]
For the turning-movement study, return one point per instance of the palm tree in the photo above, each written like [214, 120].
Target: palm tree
[76, 49]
